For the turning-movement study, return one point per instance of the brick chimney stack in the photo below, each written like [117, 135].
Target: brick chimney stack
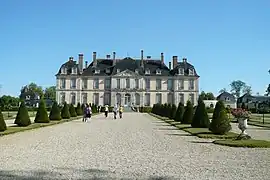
[80, 62]
[170, 65]
[86, 64]
[162, 58]
[108, 56]
[175, 61]
[114, 60]
[142, 64]
[94, 58]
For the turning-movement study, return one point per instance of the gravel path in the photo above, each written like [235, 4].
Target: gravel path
[137, 146]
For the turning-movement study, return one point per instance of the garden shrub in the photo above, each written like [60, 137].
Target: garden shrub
[3, 125]
[179, 113]
[173, 111]
[200, 118]
[72, 111]
[188, 114]
[22, 118]
[65, 111]
[42, 115]
[79, 110]
[55, 113]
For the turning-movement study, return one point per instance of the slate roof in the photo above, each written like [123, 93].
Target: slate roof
[106, 67]
[247, 97]
[223, 96]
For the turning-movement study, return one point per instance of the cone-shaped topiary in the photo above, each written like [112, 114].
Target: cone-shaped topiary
[79, 110]
[65, 111]
[3, 125]
[179, 113]
[72, 111]
[42, 115]
[173, 111]
[55, 114]
[220, 123]
[83, 107]
[22, 118]
[188, 114]
[200, 118]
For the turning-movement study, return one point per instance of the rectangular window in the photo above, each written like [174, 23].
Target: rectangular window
[170, 84]
[96, 99]
[73, 98]
[181, 98]
[137, 83]
[191, 98]
[84, 83]
[96, 83]
[147, 83]
[158, 84]
[181, 71]
[107, 99]
[127, 83]
[158, 98]
[191, 72]
[137, 97]
[73, 83]
[84, 98]
[107, 83]
[63, 83]
[147, 99]
[118, 83]
[170, 98]
[74, 70]
[180, 84]
[191, 84]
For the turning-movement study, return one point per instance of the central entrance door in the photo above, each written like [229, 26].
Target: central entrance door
[127, 100]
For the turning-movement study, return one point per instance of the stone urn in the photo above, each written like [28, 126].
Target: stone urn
[242, 125]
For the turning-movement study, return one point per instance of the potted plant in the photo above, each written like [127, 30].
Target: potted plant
[242, 117]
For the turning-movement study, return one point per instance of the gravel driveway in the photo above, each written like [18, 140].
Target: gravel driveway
[137, 146]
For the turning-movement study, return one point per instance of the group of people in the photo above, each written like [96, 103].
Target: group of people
[116, 109]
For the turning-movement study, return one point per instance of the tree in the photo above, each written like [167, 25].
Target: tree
[42, 115]
[188, 114]
[268, 90]
[200, 118]
[179, 113]
[72, 111]
[236, 87]
[207, 96]
[6, 101]
[220, 123]
[173, 111]
[247, 90]
[22, 118]
[65, 111]
[79, 111]
[50, 93]
[55, 113]
[222, 90]
[31, 89]
[3, 125]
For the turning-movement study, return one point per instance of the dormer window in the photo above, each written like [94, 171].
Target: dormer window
[136, 71]
[147, 71]
[118, 70]
[63, 70]
[74, 70]
[107, 70]
[181, 71]
[191, 72]
[158, 71]
[97, 71]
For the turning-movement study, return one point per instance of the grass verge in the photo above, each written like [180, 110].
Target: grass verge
[199, 132]
[251, 143]
[15, 129]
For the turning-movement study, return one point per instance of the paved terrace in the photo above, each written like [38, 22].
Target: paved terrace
[137, 146]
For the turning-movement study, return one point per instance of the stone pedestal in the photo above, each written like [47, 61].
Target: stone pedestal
[242, 125]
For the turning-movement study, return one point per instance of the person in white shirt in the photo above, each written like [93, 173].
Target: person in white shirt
[115, 110]
[106, 110]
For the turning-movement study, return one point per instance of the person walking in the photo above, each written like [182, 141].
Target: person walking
[84, 112]
[88, 113]
[121, 110]
[106, 110]
[115, 110]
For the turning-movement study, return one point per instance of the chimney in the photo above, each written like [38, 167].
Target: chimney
[142, 58]
[148, 57]
[80, 62]
[175, 61]
[108, 56]
[184, 60]
[86, 64]
[170, 65]
[114, 60]
[162, 58]
[70, 58]
[94, 58]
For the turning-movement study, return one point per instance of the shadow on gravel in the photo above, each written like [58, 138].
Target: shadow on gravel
[172, 128]
[201, 142]
[163, 125]
[179, 134]
[68, 173]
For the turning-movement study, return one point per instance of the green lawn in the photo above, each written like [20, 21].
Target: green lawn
[12, 114]
[251, 143]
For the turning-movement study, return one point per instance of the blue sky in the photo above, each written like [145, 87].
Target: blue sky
[225, 40]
